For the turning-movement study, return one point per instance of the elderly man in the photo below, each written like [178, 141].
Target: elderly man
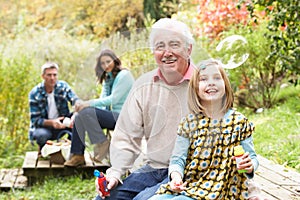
[152, 111]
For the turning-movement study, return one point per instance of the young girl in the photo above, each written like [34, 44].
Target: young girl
[202, 165]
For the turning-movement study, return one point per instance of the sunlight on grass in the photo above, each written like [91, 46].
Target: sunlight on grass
[277, 133]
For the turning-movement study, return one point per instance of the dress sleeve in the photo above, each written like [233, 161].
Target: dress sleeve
[247, 143]
[179, 155]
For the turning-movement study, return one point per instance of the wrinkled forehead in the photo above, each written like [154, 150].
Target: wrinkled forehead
[167, 34]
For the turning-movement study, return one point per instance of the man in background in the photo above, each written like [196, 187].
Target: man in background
[49, 105]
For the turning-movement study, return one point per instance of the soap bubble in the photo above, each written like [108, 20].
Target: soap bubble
[232, 50]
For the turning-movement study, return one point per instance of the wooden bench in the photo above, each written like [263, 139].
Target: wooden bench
[35, 168]
[277, 182]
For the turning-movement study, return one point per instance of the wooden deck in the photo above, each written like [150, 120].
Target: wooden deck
[37, 168]
[12, 179]
[276, 181]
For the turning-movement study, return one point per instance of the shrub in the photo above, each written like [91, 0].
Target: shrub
[257, 81]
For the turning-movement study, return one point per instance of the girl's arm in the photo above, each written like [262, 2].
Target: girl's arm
[179, 155]
[249, 147]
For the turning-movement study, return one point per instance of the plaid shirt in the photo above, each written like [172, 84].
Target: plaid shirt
[38, 103]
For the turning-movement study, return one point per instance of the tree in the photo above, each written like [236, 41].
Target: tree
[160, 8]
[284, 23]
[217, 16]
[88, 18]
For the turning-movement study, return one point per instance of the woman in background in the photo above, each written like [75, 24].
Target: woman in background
[102, 113]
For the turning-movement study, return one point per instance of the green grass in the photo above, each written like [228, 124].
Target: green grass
[73, 188]
[277, 137]
[277, 133]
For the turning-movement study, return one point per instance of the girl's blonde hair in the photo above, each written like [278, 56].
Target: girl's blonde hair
[194, 101]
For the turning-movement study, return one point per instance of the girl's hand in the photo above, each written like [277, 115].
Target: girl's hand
[246, 163]
[176, 184]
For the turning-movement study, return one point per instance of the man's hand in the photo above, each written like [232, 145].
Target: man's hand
[111, 183]
[57, 124]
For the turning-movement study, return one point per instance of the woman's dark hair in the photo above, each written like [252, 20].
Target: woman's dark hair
[100, 73]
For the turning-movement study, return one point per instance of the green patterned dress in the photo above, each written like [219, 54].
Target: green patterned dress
[210, 171]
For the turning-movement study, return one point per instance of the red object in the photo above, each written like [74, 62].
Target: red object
[103, 185]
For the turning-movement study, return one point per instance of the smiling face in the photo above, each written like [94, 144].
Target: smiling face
[211, 85]
[107, 63]
[171, 53]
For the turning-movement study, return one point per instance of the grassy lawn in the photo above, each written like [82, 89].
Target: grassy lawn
[277, 134]
[277, 137]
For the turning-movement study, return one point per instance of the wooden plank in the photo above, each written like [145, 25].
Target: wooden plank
[273, 189]
[275, 177]
[2, 174]
[57, 166]
[30, 160]
[285, 179]
[21, 180]
[268, 196]
[283, 171]
[279, 180]
[9, 178]
[43, 164]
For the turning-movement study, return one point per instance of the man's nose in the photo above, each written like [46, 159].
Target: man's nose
[168, 50]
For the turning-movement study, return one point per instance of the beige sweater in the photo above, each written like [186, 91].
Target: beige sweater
[152, 110]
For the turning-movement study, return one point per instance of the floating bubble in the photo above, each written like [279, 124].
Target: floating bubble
[232, 49]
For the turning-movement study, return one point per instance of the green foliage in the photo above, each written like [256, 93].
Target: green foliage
[160, 8]
[217, 16]
[284, 32]
[15, 83]
[21, 59]
[133, 50]
[256, 82]
[73, 55]
[91, 19]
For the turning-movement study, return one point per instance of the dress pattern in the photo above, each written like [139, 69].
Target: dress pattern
[210, 172]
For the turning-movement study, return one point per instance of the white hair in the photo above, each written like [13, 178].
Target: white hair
[170, 25]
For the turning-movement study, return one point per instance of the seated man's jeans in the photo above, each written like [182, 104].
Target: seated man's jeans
[140, 185]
